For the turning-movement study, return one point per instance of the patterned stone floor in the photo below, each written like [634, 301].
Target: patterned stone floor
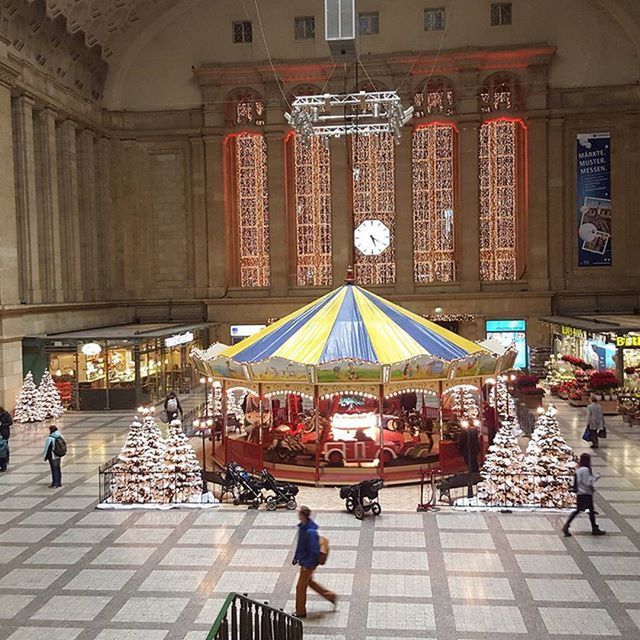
[68, 571]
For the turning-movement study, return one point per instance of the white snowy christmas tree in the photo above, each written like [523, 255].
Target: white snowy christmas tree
[214, 404]
[28, 408]
[505, 405]
[49, 398]
[549, 463]
[502, 483]
[464, 402]
[184, 476]
[140, 475]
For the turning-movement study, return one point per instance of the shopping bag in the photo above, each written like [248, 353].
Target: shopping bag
[164, 417]
[602, 433]
[586, 436]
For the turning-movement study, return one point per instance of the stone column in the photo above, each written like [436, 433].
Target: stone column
[341, 210]
[9, 281]
[632, 166]
[26, 200]
[217, 219]
[466, 222]
[48, 202]
[69, 209]
[404, 215]
[198, 239]
[535, 228]
[556, 224]
[88, 213]
[278, 231]
[104, 212]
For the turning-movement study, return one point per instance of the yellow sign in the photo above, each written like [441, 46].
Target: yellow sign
[573, 332]
[628, 341]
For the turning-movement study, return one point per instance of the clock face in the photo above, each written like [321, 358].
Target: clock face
[372, 237]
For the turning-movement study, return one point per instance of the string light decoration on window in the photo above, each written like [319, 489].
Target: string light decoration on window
[498, 166]
[500, 92]
[433, 166]
[312, 201]
[436, 97]
[244, 107]
[249, 158]
[372, 160]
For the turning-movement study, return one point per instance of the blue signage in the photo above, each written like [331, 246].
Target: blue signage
[593, 184]
[510, 333]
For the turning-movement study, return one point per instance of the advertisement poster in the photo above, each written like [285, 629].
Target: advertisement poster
[510, 333]
[594, 199]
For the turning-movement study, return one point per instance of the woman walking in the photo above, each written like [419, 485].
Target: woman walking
[584, 487]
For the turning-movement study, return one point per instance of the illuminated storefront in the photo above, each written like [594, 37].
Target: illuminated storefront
[121, 367]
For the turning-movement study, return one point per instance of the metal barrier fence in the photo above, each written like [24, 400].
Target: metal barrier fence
[161, 487]
[508, 490]
[526, 419]
[244, 619]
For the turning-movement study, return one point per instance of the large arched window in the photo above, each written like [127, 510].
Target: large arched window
[500, 92]
[311, 198]
[248, 203]
[434, 97]
[373, 192]
[244, 107]
[501, 147]
[434, 171]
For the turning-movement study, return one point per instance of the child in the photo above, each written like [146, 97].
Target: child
[4, 453]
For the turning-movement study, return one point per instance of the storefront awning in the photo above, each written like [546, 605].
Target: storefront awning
[598, 323]
[132, 332]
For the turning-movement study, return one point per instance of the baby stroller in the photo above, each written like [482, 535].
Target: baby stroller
[278, 493]
[363, 497]
[245, 488]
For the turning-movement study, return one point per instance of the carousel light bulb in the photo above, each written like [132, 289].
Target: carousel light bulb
[58, 372]
[209, 380]
[209, 422]
[196, 423]
[202, 380]
[464, 423]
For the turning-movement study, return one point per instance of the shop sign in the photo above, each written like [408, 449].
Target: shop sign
[178, 339]
[572, 332]
[626, 342]
[91, 349]
[510, 333]
[245, 330]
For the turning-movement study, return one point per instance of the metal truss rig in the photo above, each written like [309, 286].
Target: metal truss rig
[364, 112]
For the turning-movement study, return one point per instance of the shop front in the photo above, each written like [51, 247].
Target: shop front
[601, 341]
[121, 367]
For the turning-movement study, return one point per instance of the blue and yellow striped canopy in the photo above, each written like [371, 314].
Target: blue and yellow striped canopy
[351, 323]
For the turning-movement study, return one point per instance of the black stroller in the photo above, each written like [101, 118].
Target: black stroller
[246, 489]
[363, 497]
[278, 493]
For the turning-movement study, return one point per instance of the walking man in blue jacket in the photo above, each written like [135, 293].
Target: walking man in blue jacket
[307, 554]
[53, 452]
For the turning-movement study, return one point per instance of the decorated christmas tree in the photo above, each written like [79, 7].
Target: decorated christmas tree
[464, 402]
[234, 408]
[505, 405]
[502, 480]
[550, 464]
[140, 475]
[49, 398]
[28, 408]
[184, 476]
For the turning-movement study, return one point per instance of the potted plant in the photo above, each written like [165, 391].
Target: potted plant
[531, 397]
[603, 383]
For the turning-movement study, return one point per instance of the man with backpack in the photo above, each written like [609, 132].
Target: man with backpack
[4, 453]
[55, 448]
[172, 407]
[311, 551]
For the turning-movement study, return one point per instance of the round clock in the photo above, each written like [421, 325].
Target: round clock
[372, 237]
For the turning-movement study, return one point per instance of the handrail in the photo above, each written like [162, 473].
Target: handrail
[242, 618]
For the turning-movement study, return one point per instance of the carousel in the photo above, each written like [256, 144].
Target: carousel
[347, 387]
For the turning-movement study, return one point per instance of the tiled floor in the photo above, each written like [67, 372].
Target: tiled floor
[70, 572]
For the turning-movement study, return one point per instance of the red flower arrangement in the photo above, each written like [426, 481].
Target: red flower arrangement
[576, 362]
[630, 370]
[531, 391]
[603, 380]
[524, 381]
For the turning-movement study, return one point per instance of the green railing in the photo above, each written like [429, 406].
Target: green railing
[244, 619]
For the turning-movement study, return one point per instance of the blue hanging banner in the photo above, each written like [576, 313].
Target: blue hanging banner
[593, 185]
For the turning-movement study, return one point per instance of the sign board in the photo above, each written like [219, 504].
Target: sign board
[508, 333]
[178, 339]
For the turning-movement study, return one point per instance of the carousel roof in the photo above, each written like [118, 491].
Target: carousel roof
[351, 323]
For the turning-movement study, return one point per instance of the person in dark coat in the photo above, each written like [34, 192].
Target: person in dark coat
[307, 555]
[52, 458]
[5, 423]
[172, 406]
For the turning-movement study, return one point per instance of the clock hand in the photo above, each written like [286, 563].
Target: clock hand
[374, 240]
